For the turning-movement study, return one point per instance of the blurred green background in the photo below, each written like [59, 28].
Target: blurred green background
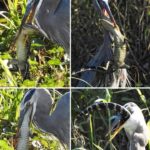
[90, 132]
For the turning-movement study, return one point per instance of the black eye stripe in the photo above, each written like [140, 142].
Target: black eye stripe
[28, 95]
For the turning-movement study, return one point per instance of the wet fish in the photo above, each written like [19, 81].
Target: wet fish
[97, 106]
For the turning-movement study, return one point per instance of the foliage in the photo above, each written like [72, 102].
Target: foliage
[48, 66]
[133, 19]
[9, 115]
[90, 132]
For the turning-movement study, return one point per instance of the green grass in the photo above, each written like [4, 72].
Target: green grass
[48, 68]
[90, 132]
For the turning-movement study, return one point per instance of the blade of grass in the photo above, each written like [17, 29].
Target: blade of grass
[8, 73]
[91, 131]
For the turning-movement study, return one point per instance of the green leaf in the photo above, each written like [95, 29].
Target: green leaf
[4, 145]
[29, 83]
[54, 62]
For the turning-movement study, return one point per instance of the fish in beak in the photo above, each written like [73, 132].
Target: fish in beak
[27, 18]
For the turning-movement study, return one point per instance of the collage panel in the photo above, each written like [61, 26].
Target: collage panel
[110, 43]
[35, 43]
[110, 119]
[32, 119]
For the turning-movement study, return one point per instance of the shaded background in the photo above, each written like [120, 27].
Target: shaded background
[133, 18]
[92, 135]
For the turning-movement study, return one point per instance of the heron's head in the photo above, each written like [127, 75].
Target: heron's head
[36, 99]
[132, 107]
[118, 121]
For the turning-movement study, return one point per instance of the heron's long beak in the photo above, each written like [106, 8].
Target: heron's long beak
[116, 127]
[106, 11]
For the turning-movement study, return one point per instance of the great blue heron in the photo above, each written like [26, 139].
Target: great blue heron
[135, 127]
[35, 107]
[52, 19]
[49, 17]
[128, 117]
[110, 56]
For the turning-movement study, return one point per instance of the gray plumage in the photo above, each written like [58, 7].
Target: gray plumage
[57, 123]
[52, 18]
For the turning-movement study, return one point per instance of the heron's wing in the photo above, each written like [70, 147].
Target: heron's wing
[44, 102]
[63, 107]
[61, 118]
[59, 122]
[55, 4]
[104, 54]
[53, 21]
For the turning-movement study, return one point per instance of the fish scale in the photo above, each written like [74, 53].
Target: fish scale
[125, 114]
